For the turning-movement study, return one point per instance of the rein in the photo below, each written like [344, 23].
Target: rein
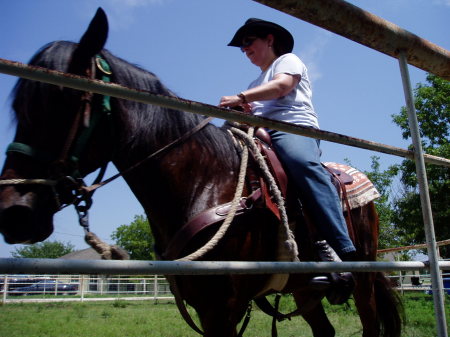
[73, 184]
[153, 155]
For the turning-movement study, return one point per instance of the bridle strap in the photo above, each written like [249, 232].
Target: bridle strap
[28, 151]
[74, 146]
[96, 183]
[86, 101]
[155, 154]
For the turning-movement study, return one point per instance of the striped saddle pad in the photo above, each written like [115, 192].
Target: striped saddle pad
[361, 191]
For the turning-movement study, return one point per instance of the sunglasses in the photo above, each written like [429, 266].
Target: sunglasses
[247, 42]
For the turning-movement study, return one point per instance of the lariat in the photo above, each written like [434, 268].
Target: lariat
[287, 247]
[230, 216]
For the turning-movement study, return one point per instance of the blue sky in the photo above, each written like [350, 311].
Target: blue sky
[356, 89]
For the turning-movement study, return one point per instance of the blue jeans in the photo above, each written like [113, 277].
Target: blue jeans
[301, 158]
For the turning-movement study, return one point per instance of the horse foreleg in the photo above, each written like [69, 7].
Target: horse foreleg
[221, 319]
[312, 311]
[219, 307]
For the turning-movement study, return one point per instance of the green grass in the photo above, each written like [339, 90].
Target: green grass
[144, 318]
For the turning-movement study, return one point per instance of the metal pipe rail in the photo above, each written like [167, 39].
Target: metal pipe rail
[425, 202]
[115, 90]
[62, 266]
[352, 22]
[363, 27]
[421, 246]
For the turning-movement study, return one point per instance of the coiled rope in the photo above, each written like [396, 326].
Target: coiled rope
[230, 216]
[287, 247]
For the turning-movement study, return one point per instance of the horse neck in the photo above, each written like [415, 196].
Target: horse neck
[179, 184]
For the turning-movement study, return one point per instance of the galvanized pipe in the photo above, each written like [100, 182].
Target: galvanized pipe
[62, 266]
[115, 90]
[363, 27]
[421, 246]
[436, 277]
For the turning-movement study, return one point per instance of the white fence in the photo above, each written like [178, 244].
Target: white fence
[46, 288]
[19, 288]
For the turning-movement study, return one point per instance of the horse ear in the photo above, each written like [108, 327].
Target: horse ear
[95, 36]
[91, 43]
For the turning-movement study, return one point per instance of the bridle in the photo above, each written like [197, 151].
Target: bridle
[65, 180]
[66, 183]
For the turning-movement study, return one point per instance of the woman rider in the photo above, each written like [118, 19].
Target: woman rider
[282, 92]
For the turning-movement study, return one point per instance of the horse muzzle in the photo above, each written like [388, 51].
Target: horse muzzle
[23, 218]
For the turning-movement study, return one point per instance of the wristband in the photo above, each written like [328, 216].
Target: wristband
[242, 97]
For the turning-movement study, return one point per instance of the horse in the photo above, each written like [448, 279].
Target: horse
[196, 174]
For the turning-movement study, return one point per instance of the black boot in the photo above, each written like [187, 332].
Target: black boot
[342, 284]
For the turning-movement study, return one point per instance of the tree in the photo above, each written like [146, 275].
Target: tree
[136, 238]
[44, 250]
[432, 104]
[389, 235]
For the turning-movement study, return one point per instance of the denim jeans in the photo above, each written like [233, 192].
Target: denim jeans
[301, 158]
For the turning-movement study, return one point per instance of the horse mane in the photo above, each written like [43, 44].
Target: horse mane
[30, 98]
[143, 124]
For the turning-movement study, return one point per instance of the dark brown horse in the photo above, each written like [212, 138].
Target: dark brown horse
[54, 141]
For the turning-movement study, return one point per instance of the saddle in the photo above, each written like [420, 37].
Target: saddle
[259, 197]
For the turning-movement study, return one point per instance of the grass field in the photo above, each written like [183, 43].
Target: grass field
[143, 318]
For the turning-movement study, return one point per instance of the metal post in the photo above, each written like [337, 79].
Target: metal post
[5, 288]
[354, 23]
[436, 279]
[116, 90]
[400, 275]
[82, 288]
[155, 288]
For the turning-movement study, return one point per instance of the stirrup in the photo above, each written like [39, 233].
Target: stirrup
[341, 284]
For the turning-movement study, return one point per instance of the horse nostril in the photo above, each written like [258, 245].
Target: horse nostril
[17, 224]
[17, 214]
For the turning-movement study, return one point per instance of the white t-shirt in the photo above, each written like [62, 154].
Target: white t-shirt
[296, 107]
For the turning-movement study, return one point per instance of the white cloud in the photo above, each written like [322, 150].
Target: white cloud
[312, 53]
[122, 13]
[442, 2]
[136, 3]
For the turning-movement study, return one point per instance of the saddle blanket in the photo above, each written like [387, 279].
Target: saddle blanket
[361, 191]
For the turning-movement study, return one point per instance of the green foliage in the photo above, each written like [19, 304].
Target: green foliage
[389, 234]
[45, 250]
[432, 104]
[136, 238]
[401, 221]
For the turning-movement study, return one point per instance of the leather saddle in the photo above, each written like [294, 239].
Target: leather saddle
[259, 197]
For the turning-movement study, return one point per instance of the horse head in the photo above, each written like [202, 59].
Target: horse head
[50, 121]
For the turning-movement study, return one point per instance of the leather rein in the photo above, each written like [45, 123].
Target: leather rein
[69, 188]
